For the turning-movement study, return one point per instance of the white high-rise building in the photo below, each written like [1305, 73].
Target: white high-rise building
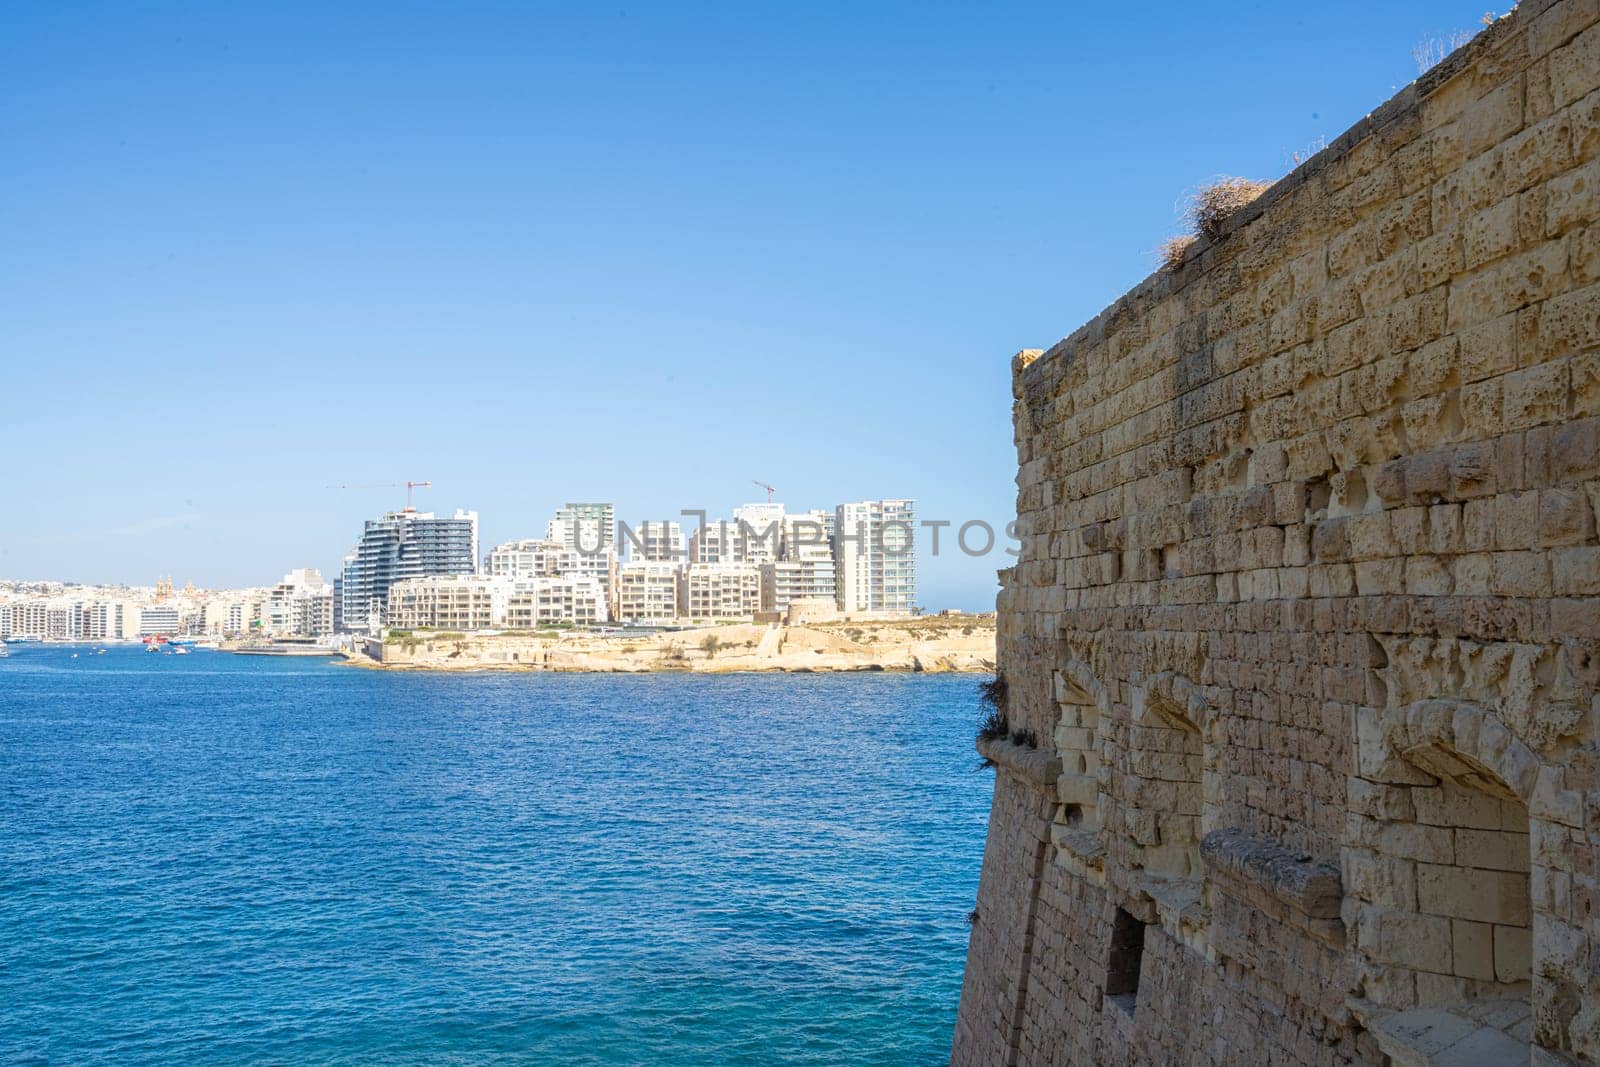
[301, 604]
[875, 556]
[584, 528]
[714, 541]
[758, 533]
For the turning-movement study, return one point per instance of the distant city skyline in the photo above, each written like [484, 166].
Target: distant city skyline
[536, 254]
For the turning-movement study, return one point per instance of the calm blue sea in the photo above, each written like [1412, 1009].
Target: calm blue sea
[225, 859]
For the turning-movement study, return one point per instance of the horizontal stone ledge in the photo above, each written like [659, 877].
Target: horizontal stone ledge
[1039, 767]
[1311, 888]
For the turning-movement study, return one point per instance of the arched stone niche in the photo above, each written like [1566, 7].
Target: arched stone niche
[1081, 700]
[1459, 866]
[1166, 762]
[1083, 703]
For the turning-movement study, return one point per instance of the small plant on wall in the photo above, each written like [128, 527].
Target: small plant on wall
[992, 696]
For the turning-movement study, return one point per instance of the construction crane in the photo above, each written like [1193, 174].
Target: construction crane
[390, 485]
[769, 488]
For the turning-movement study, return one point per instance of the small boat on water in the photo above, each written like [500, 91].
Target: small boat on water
[179, 650]
[152, 648]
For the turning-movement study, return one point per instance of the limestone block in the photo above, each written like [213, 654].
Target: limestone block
[1498, 850]
[1513, 954]
[1420, 942]
[1575, 450]
[1534, 396]
[1585, 371]
[1472, 949]
[1382, 880]
[1525, 574]
[1469, 893]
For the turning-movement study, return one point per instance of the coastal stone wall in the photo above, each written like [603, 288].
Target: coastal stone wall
[1307, 616]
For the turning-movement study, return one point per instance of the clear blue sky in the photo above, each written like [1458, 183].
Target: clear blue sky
[643, 253]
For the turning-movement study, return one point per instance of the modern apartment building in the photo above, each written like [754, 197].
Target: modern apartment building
[159, 619]
[29, 618]
[301, 605]
[647, 591]
[401, 545]
[788, 580]
[101, 621]
[462, 602]
[586, 528]
[714, 541]
[875, 555]
[719, 591]
[528, 557]
[660, 541]
[574, 600]
[758, 533]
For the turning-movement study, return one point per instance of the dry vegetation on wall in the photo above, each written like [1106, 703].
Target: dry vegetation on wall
[1173, 249]
[1430, 51]
[1208, 210]
[1214, 204]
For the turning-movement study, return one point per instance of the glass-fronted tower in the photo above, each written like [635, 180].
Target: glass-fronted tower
[398, 545]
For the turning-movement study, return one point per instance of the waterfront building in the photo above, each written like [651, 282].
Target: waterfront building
[157, 620]
[720, 591]
[660, 541]
[243, 617]
[101, 621]
[808, 534]
[301, 604]
[758, 533]
[587, 528]
[713, 542]
[570, 599]
[61, 621]
[528, 557]
[875, 556]
[5, 620]
[401, 545]
[29, 618]
[783, 581]
[808, 547]
[647, 591]
[461, 602]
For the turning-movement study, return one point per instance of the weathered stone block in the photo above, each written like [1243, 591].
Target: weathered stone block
[1468, 893]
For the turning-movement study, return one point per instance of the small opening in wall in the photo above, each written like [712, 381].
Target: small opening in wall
[1072, 814]
[1122, 966]
[1318, 494]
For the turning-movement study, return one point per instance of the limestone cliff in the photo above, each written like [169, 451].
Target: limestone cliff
[937, 643]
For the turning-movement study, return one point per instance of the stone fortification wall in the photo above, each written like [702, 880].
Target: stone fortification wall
[1306, 624]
